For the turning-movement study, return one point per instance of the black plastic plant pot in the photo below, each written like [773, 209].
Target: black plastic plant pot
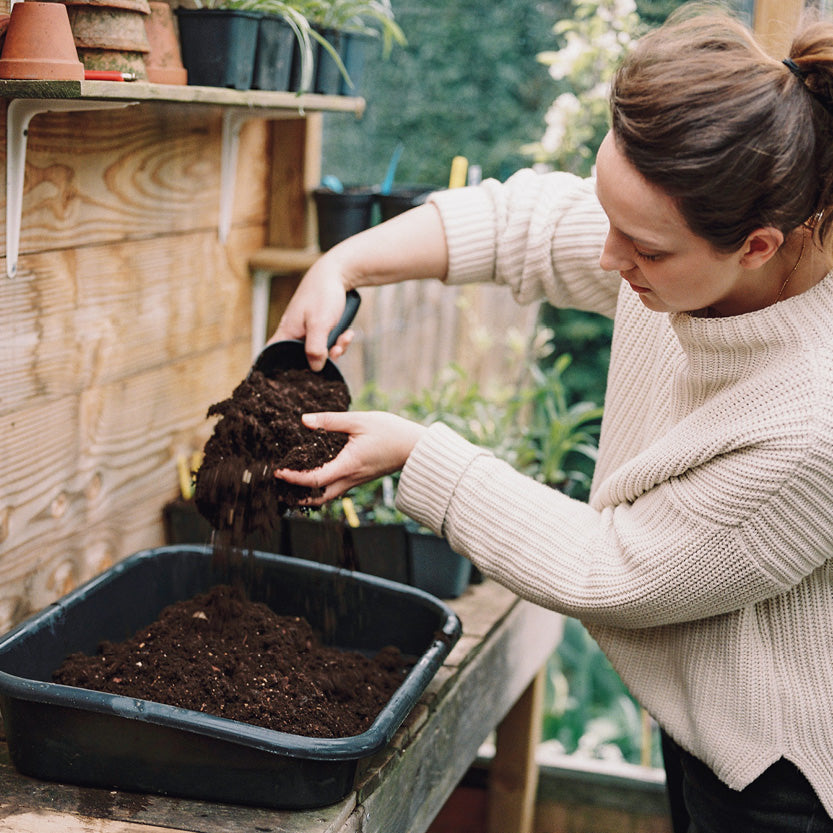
[341, 215]
[273, 56]
[382, 550]
[321, 540]
[401, 198]
[355, 49]
[184, 525]
[79, 736]
[328, 75]
[218, 46]
[435, 567]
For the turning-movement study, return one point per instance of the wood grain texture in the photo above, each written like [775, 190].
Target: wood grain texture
[127, 320]
[136, 174]
[25, 802]
[271, 104]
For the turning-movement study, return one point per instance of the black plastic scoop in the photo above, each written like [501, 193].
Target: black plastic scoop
[290, 354]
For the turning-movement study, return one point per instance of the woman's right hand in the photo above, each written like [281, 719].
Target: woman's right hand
[314, 309]
[409, 246]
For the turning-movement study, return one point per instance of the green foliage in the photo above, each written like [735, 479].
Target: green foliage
[585, 337]
[587, 709]
[559, 439]
[590, 43]
[532, 427]
[467, 83]
[458, 400]
[369, 17]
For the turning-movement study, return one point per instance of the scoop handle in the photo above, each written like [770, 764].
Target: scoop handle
[351, 307]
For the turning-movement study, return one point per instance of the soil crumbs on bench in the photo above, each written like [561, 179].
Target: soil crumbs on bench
[220, 654]
[260, 430]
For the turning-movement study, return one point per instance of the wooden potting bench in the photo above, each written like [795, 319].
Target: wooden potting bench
[491, 681]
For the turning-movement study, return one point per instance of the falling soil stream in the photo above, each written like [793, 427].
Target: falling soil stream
[260, 430]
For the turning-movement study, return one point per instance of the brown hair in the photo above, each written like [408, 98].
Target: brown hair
[738, 139]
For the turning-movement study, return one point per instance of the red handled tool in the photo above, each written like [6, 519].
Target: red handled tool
[108, 75]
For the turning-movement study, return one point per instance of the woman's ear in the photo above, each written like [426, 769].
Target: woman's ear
[760, 246]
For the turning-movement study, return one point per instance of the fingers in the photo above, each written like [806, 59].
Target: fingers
[341, 345]
[313, 311]
[328, 477]
[337, 421]
[330, 493]
[378, 443]
[342, 422]
[315, 344]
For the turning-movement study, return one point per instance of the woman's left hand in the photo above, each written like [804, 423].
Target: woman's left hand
[379, 443]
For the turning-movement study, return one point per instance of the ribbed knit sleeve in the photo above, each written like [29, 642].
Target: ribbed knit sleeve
[540, 234]
[723, 504]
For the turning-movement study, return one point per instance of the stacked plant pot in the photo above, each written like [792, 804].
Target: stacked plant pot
[38, 44]
[111, 34]
[164, 60]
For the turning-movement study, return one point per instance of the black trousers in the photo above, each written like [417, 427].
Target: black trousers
[781, 800]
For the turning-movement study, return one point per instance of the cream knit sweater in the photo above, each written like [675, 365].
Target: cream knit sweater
[702, 562]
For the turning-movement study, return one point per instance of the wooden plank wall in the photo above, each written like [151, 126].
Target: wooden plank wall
[127, 320]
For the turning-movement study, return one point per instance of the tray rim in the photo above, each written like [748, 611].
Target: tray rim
[353, 747]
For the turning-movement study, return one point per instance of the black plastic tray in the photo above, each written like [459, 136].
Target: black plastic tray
[78, 736]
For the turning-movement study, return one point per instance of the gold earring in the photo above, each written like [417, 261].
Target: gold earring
[813, 221]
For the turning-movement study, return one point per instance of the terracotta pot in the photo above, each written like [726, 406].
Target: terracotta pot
[136, 5]
[39, 44]
[122, 61]
[101, 27]
[164, 61]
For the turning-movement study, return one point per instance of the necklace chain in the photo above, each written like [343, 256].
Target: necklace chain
[792, 272]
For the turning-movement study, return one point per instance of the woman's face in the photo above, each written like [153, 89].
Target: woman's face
[652, 248]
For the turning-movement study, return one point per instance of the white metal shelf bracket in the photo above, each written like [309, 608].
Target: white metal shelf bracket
[233, 121]
[20, 112]
[261, 290]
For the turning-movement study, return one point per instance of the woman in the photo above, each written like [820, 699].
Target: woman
[702, 562]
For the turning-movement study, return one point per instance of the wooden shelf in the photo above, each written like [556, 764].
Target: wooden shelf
[141, 91]
[30, 98]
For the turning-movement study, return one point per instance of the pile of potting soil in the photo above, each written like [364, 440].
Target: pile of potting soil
[260, 430]
[220, 654]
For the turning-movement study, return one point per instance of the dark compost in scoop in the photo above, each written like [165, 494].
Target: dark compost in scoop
[260, 430]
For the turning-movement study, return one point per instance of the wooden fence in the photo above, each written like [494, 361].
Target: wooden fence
[407, 333]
